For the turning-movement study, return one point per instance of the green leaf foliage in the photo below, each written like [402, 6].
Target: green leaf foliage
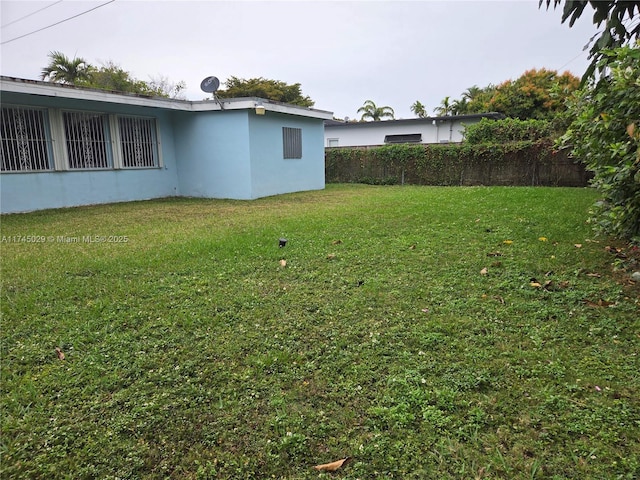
[62, 69]
[507, 130]
[264, 88]
[511, 163]
[618, 28]
[605, 134]
[110, 76]
[113, 77]
[538, 94]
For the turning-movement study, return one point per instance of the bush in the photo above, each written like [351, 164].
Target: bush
[507, 130]
[605, 134]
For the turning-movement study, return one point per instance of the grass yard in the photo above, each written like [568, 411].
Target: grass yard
[424, 332]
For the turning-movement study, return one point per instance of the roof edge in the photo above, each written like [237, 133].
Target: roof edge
[49, 89]
[448, 118]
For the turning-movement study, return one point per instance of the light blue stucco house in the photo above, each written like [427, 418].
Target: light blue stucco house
[66, 146]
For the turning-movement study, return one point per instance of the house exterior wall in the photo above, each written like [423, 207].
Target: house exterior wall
[213, 154]
[200, 149]
[373, 133]
[28, 191]
[271, 173]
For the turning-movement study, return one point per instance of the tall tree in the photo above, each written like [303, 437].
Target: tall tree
[538, 94]
[460, 106]
[419, 109]
[619, 27]
[444, 108]
[471, 93]
[605, 135]
[370, 111]
[62, 69]
[479, 98]
[110, 76]
[113, 77]
[604, 132]
[264, 88]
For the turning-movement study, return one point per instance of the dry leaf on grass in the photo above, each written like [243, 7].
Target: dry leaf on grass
[60, 353]
[336, 242]
[484, 271]
[283, 263]
[331, 467]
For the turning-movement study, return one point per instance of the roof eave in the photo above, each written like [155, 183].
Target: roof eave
[47, 89]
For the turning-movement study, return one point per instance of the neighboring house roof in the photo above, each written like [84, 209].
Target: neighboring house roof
[50, 89]
[413, 121]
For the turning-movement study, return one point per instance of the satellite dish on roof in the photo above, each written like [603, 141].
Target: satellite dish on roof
[210, 84]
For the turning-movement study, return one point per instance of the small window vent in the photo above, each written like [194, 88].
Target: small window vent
[406, 138]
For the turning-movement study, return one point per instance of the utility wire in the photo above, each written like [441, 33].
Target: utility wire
[57, 23]
[28, 15]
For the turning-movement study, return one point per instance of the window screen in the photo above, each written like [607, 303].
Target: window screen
[405, 138]
[292, 142]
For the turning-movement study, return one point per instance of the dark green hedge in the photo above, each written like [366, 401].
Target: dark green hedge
[507, 130]
[514, 163]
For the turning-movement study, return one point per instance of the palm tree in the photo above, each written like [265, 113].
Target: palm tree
[61, 69]
[444, 109]
[477, 99]
[459, 107]
[370, 111]
[418, 109]
[471, 93]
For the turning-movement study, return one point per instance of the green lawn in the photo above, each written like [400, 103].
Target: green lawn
[425, 332]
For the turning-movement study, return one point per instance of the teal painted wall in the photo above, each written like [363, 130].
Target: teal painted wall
[271, 173]
[213, 159]
[211, 154]
[22, 192]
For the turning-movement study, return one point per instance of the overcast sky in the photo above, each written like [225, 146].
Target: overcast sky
[341, 52]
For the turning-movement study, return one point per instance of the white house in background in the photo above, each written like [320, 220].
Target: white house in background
[64, 146]
[414, 130]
